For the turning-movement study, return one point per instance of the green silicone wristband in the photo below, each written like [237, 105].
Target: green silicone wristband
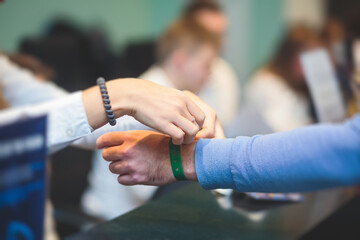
[175, 158]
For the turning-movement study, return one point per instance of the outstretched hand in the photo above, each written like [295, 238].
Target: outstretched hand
[142, 157]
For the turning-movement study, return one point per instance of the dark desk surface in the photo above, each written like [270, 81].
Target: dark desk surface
[193, 213]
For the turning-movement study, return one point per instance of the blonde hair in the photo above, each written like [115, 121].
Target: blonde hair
[185, 34]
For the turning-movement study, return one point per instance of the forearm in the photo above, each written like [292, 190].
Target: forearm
[301, 160]
[93, 105]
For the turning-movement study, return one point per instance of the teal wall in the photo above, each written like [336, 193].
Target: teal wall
[254, 30]
[267, 26]
[123, 20]
[256, 25]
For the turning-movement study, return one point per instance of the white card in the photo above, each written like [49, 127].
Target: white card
[323, 84]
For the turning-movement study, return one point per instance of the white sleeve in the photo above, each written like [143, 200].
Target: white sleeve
[20, 87]
[66, 121]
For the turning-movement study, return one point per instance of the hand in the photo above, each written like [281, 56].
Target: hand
[167, 110]
[212, 127]
[142, 157]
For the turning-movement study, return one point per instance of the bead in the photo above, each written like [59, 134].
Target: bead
[105, 98]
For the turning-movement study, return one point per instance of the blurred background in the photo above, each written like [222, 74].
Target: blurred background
[78, 41]
[255, 27]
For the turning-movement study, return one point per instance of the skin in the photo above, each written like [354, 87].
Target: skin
[167, 110]
[190, 70]
[142, 157]
[131, 155]
[213, 21]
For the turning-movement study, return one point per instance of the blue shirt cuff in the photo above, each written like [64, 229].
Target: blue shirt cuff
[213, 163]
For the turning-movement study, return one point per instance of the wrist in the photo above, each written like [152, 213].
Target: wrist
[188, 160]
[121, 96]
[119, 99]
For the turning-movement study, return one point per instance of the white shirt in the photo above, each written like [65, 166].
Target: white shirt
[222, 92]
[20, 87]
[280, 107]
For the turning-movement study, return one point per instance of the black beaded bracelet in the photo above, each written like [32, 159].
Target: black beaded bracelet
[105, 98]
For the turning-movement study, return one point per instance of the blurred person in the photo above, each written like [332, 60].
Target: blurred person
[278, 92]
[340, 47]
[223, 87]
[305, 159]
[335, 35]
[186, 52]
[34, 65]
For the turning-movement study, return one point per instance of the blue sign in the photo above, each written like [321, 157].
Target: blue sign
[22, 179]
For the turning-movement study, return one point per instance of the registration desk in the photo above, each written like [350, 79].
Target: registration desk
[193, 213]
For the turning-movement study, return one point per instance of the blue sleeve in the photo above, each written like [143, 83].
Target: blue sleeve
[305, 159]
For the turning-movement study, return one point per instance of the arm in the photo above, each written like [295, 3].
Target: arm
[211, 126]
[167, 110]
[145, 101]
[305, 159]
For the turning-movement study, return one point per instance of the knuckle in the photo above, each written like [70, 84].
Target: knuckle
[195, 130]
[138, 178]
[106, 139]
[205, 133]
[131, 166]
[121, 181]
[178, 106]
[124, 181]
[105, 154]
[128, 152]
[201, 117]
[133, 179]
[212, 113]
[112, 167]
[211, 134]
[178, 136]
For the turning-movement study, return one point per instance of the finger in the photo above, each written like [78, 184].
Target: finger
[185, 113]
[110, 139]
[209, 127]
[119, 167]
[126, 180]
[113, 153]
[176, 134]
[219, 131]
[189, 128]
[196, 111]
[206, 132]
